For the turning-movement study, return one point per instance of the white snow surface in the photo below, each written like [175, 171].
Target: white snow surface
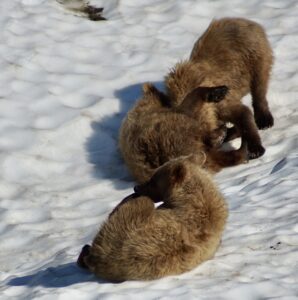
[66, 83]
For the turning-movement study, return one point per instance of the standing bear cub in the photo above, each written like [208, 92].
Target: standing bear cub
[233, 52]
[153, 133]
[141, 242]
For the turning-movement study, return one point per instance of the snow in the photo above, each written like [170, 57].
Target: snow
[66, 83]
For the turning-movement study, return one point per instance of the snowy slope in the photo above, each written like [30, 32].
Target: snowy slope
[66, 83]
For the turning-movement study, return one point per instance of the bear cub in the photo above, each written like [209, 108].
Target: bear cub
[141, 242]
[153, 133]
[234, 52]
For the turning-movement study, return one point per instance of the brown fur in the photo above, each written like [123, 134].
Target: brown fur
[152, 133]
[236, 53]
[141, 242]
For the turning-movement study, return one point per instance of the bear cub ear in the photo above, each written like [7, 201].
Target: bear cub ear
[178, 174]
[148, 87]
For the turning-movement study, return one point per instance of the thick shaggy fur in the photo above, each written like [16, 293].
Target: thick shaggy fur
[152, 133]
[140, 242]
[236, 53]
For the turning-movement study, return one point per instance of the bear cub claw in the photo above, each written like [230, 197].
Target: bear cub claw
[84, 252]
[217, 94]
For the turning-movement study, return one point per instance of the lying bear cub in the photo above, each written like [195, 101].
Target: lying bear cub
[153, 133]
[141, 242]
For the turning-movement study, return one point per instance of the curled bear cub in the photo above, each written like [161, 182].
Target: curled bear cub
[141, 242]
[153, 133]
[233, 52]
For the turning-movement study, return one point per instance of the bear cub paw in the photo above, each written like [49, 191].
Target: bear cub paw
[255, 151]
[264, 120]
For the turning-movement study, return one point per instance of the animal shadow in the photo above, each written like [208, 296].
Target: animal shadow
[55, 277]
[102, 146]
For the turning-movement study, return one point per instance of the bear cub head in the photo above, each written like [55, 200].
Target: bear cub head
[174, 176]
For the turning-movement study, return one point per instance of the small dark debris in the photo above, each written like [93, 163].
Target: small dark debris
[276, 246]
[94, 13]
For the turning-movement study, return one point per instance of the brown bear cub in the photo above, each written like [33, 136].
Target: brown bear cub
[236, 53]
[141, 242]
[153, 133]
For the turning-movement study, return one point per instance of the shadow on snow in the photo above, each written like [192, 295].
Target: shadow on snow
[102, 146]
[56, 277]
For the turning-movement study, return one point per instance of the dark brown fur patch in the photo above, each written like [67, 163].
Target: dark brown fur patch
[178, 175]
